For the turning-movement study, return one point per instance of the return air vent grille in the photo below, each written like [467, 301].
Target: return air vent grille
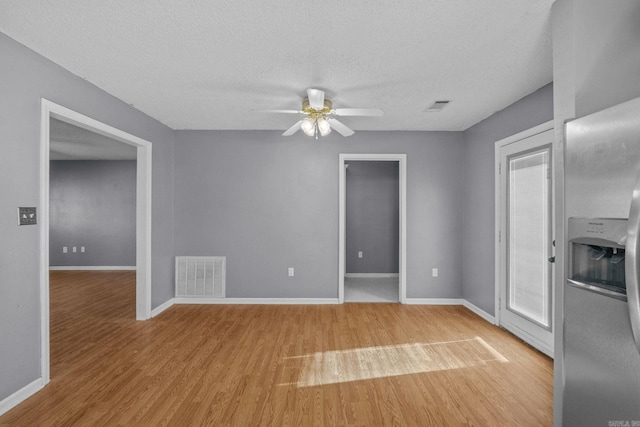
[200, 276]
[436, 106]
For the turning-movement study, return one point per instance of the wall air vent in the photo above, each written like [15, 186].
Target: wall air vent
[436, 106]
[201, 276]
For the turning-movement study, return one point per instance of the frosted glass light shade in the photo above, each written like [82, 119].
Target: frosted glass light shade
[324, 127]
[308, 126]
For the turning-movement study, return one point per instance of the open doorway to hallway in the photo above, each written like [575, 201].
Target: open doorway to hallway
[92, 239]
[372, 231]
[92, 200]
[372, 228]
[142, 148]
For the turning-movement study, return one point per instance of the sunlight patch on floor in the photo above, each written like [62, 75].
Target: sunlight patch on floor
[340, 366]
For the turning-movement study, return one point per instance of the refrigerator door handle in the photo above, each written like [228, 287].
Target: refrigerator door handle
[632, 269]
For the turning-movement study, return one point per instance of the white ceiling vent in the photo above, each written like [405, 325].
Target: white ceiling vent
[201, 276]
[436, 106]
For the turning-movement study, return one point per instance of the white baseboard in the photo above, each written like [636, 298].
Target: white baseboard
[371, 275]
[93, 267]
[21, 395]
[281, 301]
[434, 301]
[162, 307]
[486, 316]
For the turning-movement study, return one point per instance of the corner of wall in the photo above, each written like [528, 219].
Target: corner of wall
[478, 276]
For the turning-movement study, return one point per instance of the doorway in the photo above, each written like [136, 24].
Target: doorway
[50, 110]
[371, 248]
[524, 213]
[383, 280]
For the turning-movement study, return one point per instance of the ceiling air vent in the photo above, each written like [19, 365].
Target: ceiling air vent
[436, 106]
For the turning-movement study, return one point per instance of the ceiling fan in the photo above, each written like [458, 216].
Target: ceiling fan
[320, 114]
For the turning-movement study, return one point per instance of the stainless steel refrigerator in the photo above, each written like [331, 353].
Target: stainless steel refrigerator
[601, 325]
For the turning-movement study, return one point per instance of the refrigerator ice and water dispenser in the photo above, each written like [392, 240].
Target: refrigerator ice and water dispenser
[597, 255]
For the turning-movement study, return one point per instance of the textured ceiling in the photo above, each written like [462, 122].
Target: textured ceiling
[210, 64]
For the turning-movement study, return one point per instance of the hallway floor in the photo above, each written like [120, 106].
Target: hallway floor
[357, 289]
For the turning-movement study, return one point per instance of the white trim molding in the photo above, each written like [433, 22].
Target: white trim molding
[434, 301]
[486, 316]
[20, 396]
[49, 110]
[402, 211]
[93, 267]
[371, 275]
[265, 301]
[162, 307]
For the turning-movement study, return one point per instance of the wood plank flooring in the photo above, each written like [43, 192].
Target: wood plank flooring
[252, 365]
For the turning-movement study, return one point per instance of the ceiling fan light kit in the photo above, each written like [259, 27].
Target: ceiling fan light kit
[308, 126]
[323, 126]
[327, 107]
[320, 114]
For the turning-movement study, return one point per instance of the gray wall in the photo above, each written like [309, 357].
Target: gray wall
[607, 53]
[269, 202]
[372, 217]
[596, 64]
[26, 78]
[92, 204]
[479, 192]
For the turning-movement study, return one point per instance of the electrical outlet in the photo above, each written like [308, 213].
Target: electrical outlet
[74, 249]
[82, 249]
[434, 272]
[291, 272]
[359, 254]
[65, 249]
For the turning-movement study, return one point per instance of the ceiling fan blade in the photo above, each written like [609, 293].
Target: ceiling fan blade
[316, 98]
[340, 127]
[374, 112]
[293, 129]
[280, 111]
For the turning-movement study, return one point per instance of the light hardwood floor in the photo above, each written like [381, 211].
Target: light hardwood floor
[252, 365]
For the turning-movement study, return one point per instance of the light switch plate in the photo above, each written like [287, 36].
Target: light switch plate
[27, 216]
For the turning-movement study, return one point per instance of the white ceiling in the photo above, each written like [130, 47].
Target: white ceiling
[205, 64]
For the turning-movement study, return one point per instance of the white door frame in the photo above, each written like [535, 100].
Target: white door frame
[402, 244]
[143, 214]
[544, 127]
